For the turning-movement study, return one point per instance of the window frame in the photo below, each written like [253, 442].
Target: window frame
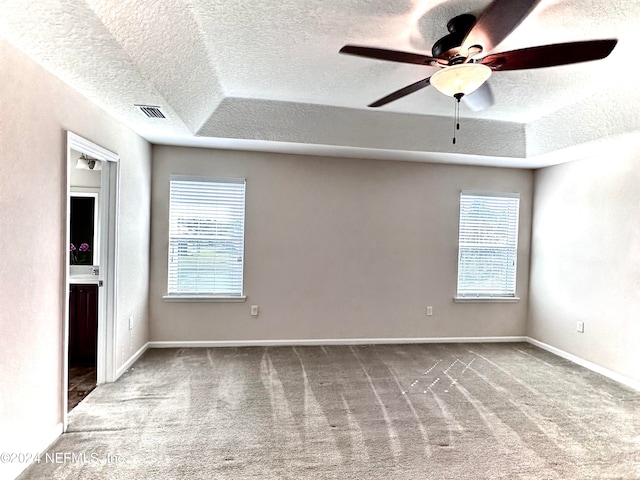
[486, 297]
[203, 296]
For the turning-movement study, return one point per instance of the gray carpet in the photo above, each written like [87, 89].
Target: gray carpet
[467, 411]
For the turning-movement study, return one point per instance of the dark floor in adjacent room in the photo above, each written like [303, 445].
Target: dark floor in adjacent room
[82, 380]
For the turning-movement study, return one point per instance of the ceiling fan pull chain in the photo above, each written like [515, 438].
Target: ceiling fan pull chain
[456, 116]
[455, 121]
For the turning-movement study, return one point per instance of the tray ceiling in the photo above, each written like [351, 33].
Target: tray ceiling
[268, 76]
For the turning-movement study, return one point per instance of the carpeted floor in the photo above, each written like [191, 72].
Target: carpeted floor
[466, 411]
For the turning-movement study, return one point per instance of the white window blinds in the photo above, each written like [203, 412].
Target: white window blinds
[206, 237]
[488, 245]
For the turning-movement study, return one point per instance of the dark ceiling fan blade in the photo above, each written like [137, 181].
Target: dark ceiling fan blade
[496, 22]
[391, 55]
[481, 99]
[550, 55]
[414, 87]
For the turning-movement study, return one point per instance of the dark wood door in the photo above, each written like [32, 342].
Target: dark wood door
[83, 324]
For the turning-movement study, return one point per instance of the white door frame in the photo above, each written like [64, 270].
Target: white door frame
[109, 189]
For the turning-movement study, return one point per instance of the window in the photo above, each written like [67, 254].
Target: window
[206, 237]
[488, 245]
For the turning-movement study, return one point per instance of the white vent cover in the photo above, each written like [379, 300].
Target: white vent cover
[151, 111]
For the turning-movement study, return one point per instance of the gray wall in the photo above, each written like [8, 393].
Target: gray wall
[585, 262]
[37, 109]
[338, 248]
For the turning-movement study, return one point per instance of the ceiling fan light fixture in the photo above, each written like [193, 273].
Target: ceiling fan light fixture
[462, 79]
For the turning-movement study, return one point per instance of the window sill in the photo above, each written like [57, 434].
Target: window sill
[486, 299]
[203, 298]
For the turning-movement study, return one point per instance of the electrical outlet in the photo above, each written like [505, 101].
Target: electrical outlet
[254, 310]
[429, 311]
[580, 327]
[130, 323]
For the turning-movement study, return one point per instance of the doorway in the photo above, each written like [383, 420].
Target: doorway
[84, 275]
[92, 190]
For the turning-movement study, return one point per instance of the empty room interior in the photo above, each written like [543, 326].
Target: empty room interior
[301, 239]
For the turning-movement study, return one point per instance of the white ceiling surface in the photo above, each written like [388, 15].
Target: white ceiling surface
[265, 75]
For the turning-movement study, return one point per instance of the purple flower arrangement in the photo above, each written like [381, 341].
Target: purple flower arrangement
[80, 255]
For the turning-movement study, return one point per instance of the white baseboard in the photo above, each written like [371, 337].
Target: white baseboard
[633, 384]
[35, 445]
[133, 359]
[328, 341]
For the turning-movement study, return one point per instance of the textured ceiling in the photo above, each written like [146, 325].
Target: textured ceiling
[268, 76]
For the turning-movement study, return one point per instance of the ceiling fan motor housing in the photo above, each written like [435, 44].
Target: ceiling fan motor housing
[449, 45]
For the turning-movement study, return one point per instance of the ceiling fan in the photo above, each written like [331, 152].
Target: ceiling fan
[456, 54]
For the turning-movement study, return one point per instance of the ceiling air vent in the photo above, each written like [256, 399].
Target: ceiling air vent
[151, 111]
